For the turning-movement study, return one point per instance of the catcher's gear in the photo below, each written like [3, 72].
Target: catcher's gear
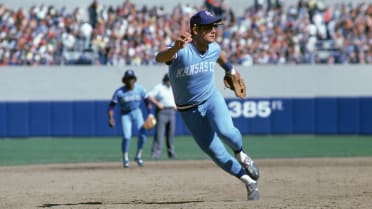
[150, 122]
[235, 83]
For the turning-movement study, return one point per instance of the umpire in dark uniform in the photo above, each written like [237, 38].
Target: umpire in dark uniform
[166, 118]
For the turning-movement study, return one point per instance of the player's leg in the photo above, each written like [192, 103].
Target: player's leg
[220, 119]
[157, 144]
[138, 119]
[126, 123]
[206, 138]
[170, 129]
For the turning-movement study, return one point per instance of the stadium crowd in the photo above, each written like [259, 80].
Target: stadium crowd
[268, 32]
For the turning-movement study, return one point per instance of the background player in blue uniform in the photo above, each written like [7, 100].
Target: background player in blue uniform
[191, 62]
[129, 97]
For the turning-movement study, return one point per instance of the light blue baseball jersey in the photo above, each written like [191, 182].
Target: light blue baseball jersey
[129, 99]
[192, 74]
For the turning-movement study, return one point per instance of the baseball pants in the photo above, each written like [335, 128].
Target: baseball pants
[211, 122]
[134, 117]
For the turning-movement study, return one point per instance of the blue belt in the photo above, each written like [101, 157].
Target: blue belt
[127, 111]
[183, 108]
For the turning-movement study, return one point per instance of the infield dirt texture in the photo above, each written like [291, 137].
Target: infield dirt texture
[285, 183]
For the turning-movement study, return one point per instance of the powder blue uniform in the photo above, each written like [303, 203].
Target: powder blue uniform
[192, 78]
[129, 102]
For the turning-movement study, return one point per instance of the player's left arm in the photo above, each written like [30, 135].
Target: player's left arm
[110, 113]
[148, 104]
[232, 79]
[150, 120]
[225, 63]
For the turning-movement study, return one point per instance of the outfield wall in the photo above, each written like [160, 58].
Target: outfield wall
[72, 101]
[98, 83]
[251, 116]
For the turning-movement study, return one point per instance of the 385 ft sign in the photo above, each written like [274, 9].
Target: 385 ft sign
[251, 109]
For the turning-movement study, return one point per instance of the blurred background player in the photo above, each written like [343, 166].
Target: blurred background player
[166, 118]
[191, 62]
[129, 97]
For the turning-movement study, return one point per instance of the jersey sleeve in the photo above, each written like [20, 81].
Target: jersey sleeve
[175, 55]
[144, 94]
[114, 98]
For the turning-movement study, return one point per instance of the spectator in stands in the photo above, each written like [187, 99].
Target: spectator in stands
[93, 13]
[268, 32]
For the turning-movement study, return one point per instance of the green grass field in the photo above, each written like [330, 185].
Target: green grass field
[73, 150]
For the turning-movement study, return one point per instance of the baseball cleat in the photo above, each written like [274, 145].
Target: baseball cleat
[250, 166]
[139, 161]
[253, 192]
[125, 164]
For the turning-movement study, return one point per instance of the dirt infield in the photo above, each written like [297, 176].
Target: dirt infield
[285, 183]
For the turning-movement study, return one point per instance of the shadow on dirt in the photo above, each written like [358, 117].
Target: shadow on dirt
[50, 205]
[135, 202]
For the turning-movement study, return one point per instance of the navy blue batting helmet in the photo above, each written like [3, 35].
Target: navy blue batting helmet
[204, 17]
[128, 75]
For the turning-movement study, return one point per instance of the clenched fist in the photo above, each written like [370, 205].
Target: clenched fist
[183, 40]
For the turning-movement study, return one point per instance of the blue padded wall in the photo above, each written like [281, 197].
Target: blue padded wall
[366, 115]
[285, 116]
[258, 126]
[101, 127]
[282, 120]
[242, 124]
[39, 119]
[326, 116]
[83, 118]
[3, 119]
[303, 116]
[62, 119]
[348, 115]
[17, 124]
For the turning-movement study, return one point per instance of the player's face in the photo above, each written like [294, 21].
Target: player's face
[208, 32]
[130, 82]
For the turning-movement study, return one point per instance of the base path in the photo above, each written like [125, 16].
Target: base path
[285, 183]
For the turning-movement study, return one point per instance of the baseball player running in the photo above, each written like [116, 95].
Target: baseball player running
[129, 98]
[191, 61]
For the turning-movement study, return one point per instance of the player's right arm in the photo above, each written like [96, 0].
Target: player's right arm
[169, 54]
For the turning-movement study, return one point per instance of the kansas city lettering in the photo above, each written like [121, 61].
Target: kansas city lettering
[201, 67]
[130, 98]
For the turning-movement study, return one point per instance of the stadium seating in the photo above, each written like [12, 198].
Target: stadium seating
[131, 35]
